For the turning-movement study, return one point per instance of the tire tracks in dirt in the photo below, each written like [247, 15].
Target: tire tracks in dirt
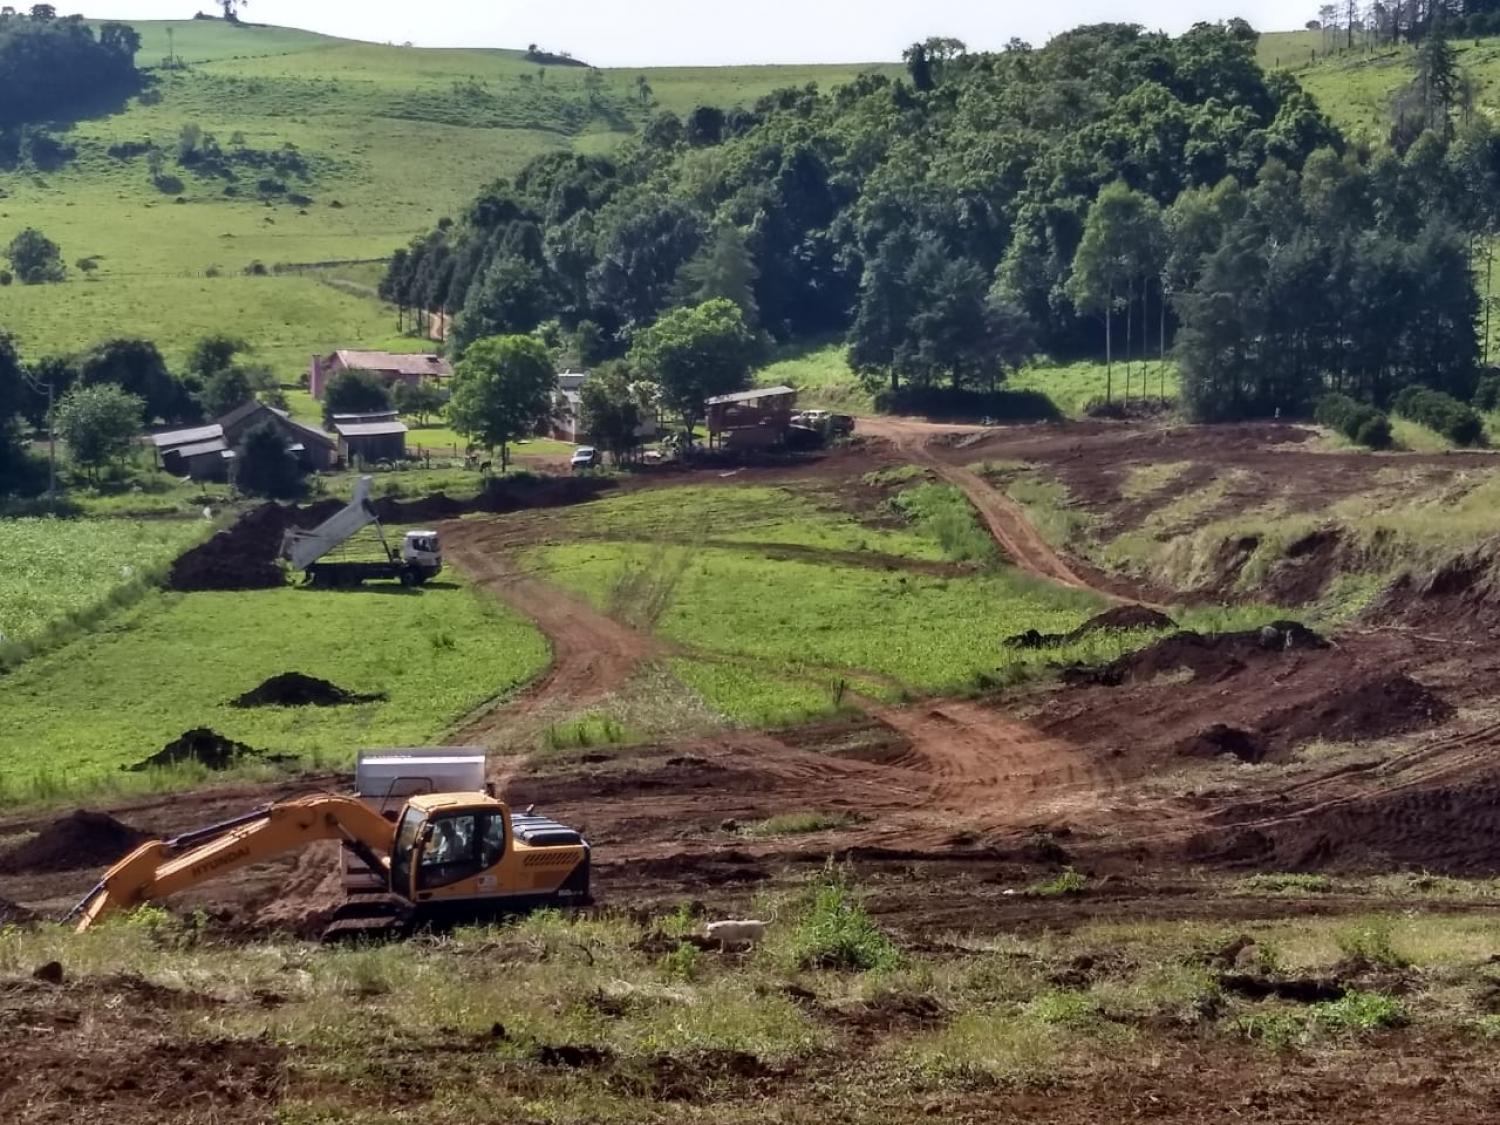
[1007, 521]
[593, 655]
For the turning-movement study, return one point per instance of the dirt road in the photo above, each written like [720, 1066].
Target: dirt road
[592, 654]
[1006, 520]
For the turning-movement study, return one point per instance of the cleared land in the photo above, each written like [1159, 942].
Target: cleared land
[1171, 883]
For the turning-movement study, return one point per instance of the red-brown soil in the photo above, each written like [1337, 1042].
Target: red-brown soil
[1183, 758]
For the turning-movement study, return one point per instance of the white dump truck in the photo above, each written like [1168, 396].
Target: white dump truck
[324, 553]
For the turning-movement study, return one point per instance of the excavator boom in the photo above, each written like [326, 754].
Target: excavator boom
[161, 868]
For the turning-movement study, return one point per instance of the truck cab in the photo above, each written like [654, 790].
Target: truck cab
[421, 551]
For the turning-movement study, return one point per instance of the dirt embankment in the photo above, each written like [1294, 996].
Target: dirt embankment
[245, 555]
[1120, 619]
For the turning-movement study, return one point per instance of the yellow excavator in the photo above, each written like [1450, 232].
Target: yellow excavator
[444, 857]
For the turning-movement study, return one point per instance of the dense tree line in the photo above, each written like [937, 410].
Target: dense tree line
[1098, 196]
[53, 67]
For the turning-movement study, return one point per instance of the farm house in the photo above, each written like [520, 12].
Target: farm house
[388, 367]
[751, 419]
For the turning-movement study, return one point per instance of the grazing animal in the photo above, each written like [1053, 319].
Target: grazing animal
[484, 466]
[745, 932]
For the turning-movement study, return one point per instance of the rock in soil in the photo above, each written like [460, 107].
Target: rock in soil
[83, 839]
[293, 689]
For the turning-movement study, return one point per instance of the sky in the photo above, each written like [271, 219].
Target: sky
[705, 32]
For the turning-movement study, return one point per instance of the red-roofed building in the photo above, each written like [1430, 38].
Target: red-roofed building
[389, 367]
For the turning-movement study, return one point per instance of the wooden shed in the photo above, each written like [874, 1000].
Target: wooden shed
[370, 441]
[767, 408]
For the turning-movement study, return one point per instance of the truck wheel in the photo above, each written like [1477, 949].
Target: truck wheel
[410, 578]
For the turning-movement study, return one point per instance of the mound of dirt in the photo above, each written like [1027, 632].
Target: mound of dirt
[293, 689]
[1220, 739]
[241, 557]
[202, 745]
[1462, 592]
[1215, 656]
[1374, 708]
[14, 914]
[83, 839]
[1119, 619]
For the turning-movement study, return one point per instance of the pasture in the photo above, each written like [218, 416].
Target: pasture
[388, 140]
[70, 720]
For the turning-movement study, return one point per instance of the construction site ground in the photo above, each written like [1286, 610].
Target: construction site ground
[1164, 784]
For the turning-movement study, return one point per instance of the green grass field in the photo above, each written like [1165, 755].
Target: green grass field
[1073, 386]
[928, 633]
[822, 375]
[61, 570]
[790, 515]
[785, 598]
[70, 720]
[394, 138]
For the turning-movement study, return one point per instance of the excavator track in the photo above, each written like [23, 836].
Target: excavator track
[369, 911]
[369, 917]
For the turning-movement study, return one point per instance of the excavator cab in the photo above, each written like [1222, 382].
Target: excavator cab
[453, 848]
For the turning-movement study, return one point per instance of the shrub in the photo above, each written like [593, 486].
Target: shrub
[1068, 882]
[1371, 944]
[831, 929]
[1374, 431]
[1361, 424]
[1441, 412]
[681, 963]
[961, 404]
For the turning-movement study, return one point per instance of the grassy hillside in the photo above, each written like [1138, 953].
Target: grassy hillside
[1355, 87]
[390, 139]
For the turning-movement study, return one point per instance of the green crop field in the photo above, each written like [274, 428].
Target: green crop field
[778, 600]
[796, 516]
[57, 570]
[70, 720]
[393, 139]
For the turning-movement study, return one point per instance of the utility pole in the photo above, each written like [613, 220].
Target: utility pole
[36, 385]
